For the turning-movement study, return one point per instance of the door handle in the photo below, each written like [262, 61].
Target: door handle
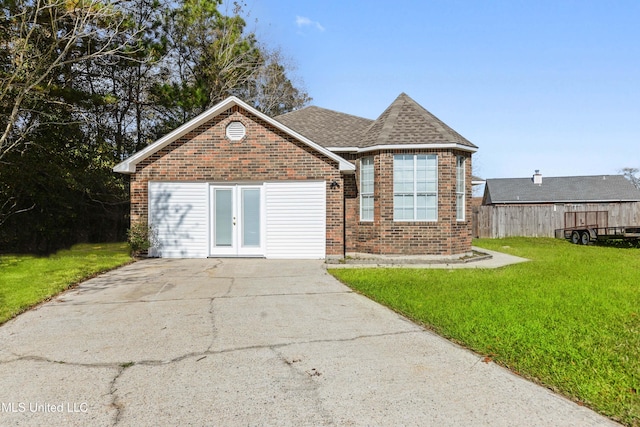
[234, 220]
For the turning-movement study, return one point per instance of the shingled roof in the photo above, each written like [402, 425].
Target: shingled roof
[404, 122]
[566, 189]
[326, 127]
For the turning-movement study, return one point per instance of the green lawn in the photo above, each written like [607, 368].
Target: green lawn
[26, 280]
[570, 318]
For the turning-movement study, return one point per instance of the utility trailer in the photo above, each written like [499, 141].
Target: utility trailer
[592, 226]
[593, 233]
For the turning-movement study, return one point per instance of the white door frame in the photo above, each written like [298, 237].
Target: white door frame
[234, 245]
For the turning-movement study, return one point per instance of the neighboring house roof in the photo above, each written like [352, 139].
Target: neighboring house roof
[567, 189]
[128, 166]
[404, 124]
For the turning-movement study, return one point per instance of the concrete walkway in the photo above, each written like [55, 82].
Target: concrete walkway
[248, 342]
[492, 259]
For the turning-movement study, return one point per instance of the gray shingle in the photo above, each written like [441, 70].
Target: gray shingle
[403, 122]
[407, 122]
[326, 127]
[568, 189]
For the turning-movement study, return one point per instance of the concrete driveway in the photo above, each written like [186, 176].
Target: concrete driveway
[248, 342]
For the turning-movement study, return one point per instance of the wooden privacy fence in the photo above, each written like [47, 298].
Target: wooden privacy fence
[498, 221]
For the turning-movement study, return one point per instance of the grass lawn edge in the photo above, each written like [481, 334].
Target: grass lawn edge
[484, 357]
[541, 270]
[66, 287]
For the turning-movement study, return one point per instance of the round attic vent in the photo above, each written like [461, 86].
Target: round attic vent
[236, 131]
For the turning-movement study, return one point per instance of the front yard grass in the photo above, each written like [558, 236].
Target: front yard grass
[569, 319]
[26, 280]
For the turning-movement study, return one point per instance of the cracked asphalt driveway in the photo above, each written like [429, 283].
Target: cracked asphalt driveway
[248, 342]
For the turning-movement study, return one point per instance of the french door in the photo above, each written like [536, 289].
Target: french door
[237, 225]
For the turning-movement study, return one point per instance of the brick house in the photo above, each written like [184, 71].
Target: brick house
[313, 183]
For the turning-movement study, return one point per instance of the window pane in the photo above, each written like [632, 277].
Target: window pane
[460, 188]
[366, 189]
[366, 208]
[432, 167]
[402, 174]
[426, 207]
[366, 175]
[250, 217]
[224, 217]
[403, 187]
[367, 185]
[427, 174]
[421, 174]
[432, 207]
[421, 170]
[431, 187]
[460, 174]
[403, 207]
[460, 207]
[421, 207]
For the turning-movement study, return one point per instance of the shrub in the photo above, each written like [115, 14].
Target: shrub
[141, 237]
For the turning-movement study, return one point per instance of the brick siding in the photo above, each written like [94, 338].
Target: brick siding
[383, 235]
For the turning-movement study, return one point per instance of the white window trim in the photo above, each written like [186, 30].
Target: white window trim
[415, 190]
[367, 195]
[460, 189]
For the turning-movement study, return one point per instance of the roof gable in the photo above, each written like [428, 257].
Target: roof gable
[128, 166]
[569, 189]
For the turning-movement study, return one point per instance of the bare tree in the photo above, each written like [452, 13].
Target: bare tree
[209, 58]
[212, 56]
[633, 175]
[271, 90]
[41, 37]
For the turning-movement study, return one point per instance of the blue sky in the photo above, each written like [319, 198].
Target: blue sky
[548, 85]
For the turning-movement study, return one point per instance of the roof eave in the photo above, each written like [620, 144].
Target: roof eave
[343, 149]
[438, 146]
[125, 167]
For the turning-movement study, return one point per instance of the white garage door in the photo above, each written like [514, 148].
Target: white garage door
[295, 219]
[179, 211]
